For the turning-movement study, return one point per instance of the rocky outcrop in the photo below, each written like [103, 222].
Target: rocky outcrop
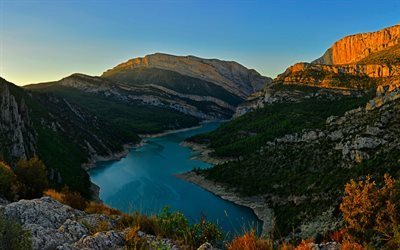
[229, 75]
[289, 92]
[17, 138]
[57, 226]
[370, 70]
[351, 49]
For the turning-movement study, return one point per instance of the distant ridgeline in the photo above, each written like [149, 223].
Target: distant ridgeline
[79, 119]
[300, 139]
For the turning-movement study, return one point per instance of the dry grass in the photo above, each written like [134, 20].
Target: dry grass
[99, 208]
[249, 241]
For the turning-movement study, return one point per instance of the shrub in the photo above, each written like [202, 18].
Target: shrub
[372, 213]
[304, 245]
[32, 174]
[13, 236]
[347, 245]
[99, 208]
[74, 199]
[133, 240]
[172, 224]
[8, 182]
[67, 197]
[249, 241]
[205, 231]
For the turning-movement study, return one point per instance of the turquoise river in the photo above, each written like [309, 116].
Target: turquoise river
[144, 181]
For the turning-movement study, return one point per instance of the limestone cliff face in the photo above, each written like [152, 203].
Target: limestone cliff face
[352, 49]
[17, 138]
[230, 75]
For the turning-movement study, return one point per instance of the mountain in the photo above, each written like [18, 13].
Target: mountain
[355, 64]
[361, 61]
[352, 49]
[293, 146]
[127, 107]
[204, 89]
[74, 122]
[231, 76]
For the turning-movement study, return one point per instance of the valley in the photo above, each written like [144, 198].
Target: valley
[182, 152]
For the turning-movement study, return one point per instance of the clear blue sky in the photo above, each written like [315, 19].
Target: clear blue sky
[49, 39]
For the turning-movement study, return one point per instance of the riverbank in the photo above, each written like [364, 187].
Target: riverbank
[94, 159]
[116, 156]
[205, 153]
[256, 203]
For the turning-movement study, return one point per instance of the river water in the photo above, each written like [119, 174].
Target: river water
[144, 181]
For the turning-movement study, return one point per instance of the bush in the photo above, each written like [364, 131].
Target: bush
[205, 231]
[8, 182]
[32, 174]
[133, 240]
[13, 236]
[99, 208]
[172, 224]
[249, 241]
[372, 213]
[67, 197]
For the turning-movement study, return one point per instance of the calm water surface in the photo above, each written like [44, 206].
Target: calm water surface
[144, 181]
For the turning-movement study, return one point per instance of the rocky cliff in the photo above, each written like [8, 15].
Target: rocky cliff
[17, 138]
[351, 49]
[357, 62]
[231, 76]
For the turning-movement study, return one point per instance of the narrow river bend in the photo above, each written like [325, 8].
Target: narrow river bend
[144, 181]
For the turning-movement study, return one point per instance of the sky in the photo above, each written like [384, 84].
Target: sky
[46, 40]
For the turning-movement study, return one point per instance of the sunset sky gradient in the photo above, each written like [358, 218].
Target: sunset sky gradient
[46, 40]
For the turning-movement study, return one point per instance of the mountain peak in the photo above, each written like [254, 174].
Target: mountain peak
[228, 74]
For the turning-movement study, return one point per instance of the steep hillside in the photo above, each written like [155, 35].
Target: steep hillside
[301, 174]
[63, 134]
[352, 49]
[231, 76]
[17, 138]
[126, 107]
[294, 144]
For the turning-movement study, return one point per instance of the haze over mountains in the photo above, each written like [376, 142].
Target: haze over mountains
[91, 118]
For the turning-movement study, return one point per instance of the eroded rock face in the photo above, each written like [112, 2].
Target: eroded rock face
[352, 49]
[15, 124]
[231, 76]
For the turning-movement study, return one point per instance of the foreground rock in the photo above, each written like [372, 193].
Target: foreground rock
[57, 226]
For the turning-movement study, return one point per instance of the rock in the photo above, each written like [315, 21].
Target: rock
[18, 139]
[352, 49]
[57, 226]
[102, 240]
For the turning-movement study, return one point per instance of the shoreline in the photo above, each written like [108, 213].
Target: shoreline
[204, 153]
[255, 203]
[92, 162]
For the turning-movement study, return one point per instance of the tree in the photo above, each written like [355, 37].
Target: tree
[32, 174]
[8, 182]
